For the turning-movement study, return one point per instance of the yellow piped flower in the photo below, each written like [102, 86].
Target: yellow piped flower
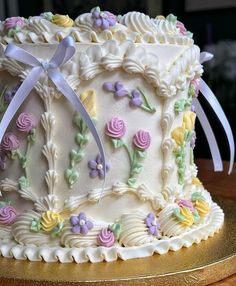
[62, 20]
[202, 207]
[160, 17]
[88, 98]
[178, 135]
[189, 120]
[196, 181]
[189, 219]
[49, 220]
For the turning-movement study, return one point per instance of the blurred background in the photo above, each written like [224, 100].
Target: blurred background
[212, 23]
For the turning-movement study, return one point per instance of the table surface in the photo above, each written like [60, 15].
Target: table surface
[220, 184]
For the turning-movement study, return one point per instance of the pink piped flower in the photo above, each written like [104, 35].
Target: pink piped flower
[26, 122]
[142, 140]
[106, 237]
[13, 22]
[181, 28]
[10, 142]
[115, 128]
[186, 204]
[7, 215]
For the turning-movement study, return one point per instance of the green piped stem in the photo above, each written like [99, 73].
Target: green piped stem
[23, 159]
[146, 106]
[3, 105]
[77, 155]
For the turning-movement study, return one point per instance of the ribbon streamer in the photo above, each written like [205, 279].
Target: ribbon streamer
[63, 53]
[212, 100]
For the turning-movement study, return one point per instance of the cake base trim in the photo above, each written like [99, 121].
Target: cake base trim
[11, 249]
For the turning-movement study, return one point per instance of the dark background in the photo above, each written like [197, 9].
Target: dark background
[211, 27]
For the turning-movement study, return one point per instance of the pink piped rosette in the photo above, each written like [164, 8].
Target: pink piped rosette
[142, 139]
[7, 214]
[10, 142]
[26, 122]
[106, 237]
[115, 128]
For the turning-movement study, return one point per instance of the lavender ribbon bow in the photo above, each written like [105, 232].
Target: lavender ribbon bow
[63, 54]
[212, 100]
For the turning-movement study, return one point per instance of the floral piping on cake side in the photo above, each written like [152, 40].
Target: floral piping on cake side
[137, 97]
[49, 222]
[8, 213]
[191, 211]
[115, 129]
[26, 124]
[81, 138]
[81, 224]
[96, 167]
[184, 103]
[182, 135]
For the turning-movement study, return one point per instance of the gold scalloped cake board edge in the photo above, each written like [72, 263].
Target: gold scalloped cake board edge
[201, 264]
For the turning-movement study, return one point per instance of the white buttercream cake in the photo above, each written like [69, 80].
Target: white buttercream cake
[136, 77]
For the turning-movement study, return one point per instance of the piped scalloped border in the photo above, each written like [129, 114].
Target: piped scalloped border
[98, 254]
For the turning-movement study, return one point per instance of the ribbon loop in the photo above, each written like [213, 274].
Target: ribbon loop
[63, 53]
[214, 103]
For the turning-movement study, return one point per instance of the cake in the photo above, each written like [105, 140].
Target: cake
[62, 199]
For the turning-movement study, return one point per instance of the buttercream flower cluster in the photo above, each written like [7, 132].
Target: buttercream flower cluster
[189, 212]
[137, 97]
[116, 129]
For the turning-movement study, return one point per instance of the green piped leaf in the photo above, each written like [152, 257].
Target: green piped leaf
[71, 176]
[23, 161]
[35, 225]
[76, 156]
[23, 182]
[32, 136]
[57, 229]
[171, 18]
[116, 229]
[178, 215]
[117, 143]
[131, 181]
[196, 216]
[137, 168]
[197, 196]
[142, 154]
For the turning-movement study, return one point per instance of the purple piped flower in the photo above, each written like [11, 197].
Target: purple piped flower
[136, 99]
[142, 140]
[195, 84]
[103, 20]
[80, 224]
[9, 94]
[96, 168]
[117, 88]
[152, 224]
[193, 140]
[10, 142]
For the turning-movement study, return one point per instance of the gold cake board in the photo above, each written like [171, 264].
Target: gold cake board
[201, 264]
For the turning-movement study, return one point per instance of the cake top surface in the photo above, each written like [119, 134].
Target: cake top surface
[95, 27]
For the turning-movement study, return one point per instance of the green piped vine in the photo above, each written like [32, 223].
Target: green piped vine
[77, 154]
